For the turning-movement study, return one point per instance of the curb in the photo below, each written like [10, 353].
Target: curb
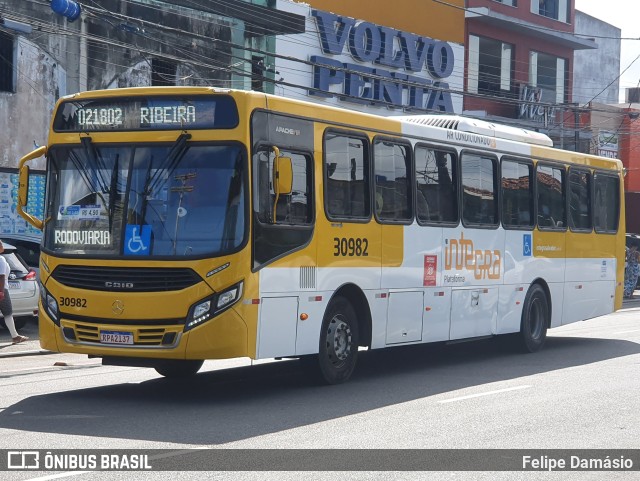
[34, 352]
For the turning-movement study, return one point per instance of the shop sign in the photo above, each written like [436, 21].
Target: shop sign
[389, 65]
[534, 104]
[608, 144]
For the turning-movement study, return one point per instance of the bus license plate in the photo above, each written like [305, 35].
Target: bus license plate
[14, 285]
[116, 337]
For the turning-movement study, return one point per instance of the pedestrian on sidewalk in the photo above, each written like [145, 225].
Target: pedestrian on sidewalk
[5, 299]
[631, 271]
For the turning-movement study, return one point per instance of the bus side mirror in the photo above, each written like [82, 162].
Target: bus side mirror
[282, 179]
[23, 186]
[23, 189]
[283, 176]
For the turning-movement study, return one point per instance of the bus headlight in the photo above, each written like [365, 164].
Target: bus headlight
[229, 297]
[202, 309]
[52, 308]
[210, 307]
[49, 303]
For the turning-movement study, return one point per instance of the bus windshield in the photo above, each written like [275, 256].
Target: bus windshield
[148, 200]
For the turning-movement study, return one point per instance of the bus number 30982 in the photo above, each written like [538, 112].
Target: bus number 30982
[350, 247]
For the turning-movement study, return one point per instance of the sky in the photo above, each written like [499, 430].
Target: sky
[625, 15]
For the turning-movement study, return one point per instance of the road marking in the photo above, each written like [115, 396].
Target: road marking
[41, 369]
[488, 393]
[58, 476]
[626, 332]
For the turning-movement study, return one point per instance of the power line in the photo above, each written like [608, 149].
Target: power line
[192, 58]
[494, 99]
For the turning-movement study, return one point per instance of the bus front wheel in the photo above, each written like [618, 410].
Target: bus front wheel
[338, 349]
[177, 368]
[535, 319]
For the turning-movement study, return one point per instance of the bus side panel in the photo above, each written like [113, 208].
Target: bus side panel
[278, 326]
[422, 264]
[519, 271]
[422, 249]
[549, 251]
[590, 276]
[314, 305]
[510, 307]
[436, 318]
[421, 244]
[473, 268]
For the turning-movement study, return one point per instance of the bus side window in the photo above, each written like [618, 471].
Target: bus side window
[347, 183]
[265, 191]
[580, 200]
[550, 182]
[479, 195]
[606, 214]
[293, 209]
[436, 193]
[392, 181]
[517, 194]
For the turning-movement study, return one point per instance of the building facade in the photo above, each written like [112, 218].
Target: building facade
[595, 72]
[118, 43]
[520, 60]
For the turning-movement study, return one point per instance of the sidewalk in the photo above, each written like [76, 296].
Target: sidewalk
[27, 348]
[633, 302]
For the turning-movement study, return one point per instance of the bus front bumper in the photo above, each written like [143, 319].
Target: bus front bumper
[222, 337]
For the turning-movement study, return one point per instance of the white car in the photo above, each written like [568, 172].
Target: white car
[23, 288]
[27, 247]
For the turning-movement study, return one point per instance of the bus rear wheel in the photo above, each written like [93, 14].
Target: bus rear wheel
[535, 320]
[176, 368]
[338, 349]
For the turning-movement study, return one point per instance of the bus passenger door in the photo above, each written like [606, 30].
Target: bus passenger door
[404, 317]
[278, 327]
[473, 312]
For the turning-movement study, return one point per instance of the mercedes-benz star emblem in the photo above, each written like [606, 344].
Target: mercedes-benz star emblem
[117, 307]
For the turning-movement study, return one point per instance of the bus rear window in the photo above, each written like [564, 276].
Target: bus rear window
[146, 113]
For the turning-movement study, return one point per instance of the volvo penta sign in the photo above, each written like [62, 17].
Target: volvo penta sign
[391, 60]
[369, 67]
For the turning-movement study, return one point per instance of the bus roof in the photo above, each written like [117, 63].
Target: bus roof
[481, 127]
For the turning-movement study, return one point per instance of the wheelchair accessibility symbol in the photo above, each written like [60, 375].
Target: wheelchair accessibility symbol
[137, 240]
[526, 245]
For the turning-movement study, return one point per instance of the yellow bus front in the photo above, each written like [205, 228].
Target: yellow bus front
[145, 249]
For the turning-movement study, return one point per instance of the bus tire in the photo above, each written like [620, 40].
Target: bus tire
[535, 320]
[177, 368]
[338, 349]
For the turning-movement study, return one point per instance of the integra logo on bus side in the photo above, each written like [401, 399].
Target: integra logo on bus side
[287, 130]
[119, 285]
[459, 254]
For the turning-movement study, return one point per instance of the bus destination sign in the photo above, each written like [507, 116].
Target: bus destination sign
[146, 113]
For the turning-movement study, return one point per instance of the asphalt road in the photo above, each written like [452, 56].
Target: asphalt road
[581, 391]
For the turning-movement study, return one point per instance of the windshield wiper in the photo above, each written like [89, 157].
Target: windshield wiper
[152, 182]
[171, 162]
[93, 157]
[233, 203]
[145, 193]
[112, 190]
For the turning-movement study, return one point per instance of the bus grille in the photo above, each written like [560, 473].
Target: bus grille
[126, 279]
[150, 337]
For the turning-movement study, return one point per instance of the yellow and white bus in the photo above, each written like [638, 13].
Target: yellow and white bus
[184, 224]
